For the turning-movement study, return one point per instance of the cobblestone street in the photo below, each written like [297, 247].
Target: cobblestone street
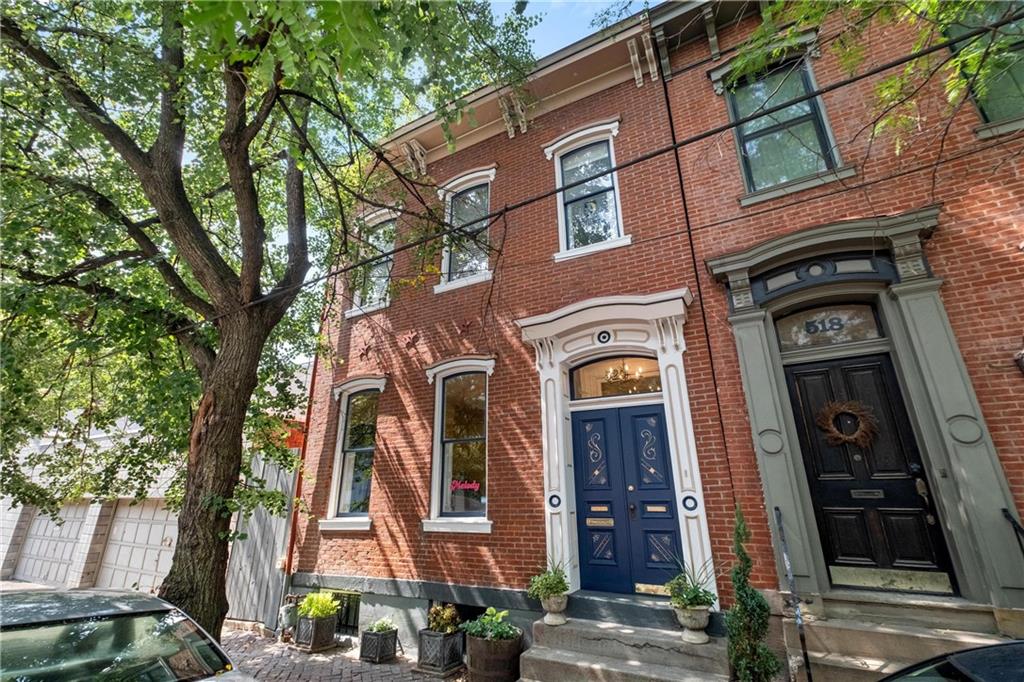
[266, 659]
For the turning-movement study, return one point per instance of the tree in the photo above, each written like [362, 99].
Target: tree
[748, 619]
[172, 172]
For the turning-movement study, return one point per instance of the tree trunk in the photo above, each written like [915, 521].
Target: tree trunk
[196, 582]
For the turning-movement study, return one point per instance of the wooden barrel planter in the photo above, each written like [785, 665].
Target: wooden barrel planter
[494, 660]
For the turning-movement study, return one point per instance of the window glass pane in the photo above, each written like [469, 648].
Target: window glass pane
[376, 283]
[788, 154]
[591, 220]
[355, 483]
[467, 257]
[362, 420]
[616, 376]
[465, 480]
[465, 406]
[827, 325]
[162, 647]
[776, 88]
[468, 252]
[1003, 95]
[372, 281]
[583, 163]
[470, 205]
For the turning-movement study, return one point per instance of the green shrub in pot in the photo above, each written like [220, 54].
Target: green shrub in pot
[318, 618]
[692, 600]
[442, 644]
[493, 646]
[378, 641]
[550, 589]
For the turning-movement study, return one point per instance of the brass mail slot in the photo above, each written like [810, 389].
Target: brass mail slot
[644, 588]
[600, 523]
[867, 494]
[598, 508]
[655, 508]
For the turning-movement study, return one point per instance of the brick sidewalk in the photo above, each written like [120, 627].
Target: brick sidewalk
[266, 659]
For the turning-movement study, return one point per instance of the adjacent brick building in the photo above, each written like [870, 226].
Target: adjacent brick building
[700, 328]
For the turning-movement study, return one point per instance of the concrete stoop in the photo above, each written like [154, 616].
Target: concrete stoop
[597, 651]
[856, 651]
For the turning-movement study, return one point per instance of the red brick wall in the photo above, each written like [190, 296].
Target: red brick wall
[975, 250]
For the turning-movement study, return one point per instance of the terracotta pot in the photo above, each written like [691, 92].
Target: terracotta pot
[694, 619]
[493, 660]
[553, 607]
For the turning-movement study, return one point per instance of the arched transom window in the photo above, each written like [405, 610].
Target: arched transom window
[622, 375]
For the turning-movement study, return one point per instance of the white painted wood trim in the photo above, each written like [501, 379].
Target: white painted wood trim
[474, 176]
[625, 240]
[649, 325]
[444, 285]
[457, 524]
[343, 523]
[357, 311]
[576, 138]
[460, 365]
[482, 176]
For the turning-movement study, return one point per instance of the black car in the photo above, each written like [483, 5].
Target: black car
[997, 663]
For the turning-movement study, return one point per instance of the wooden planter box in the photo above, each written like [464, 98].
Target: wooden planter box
[493, 660]
[377, 647]
[440, 654]
[315, 634]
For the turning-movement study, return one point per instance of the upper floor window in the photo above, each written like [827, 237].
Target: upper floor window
[371, 283]
[790, 144]
[1000, 96]
[465, 258]
[589, 213]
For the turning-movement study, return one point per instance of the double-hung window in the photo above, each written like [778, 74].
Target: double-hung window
[998, 89]
[357, 453]
[349, 503]
[373, 281]
[789, 144]
[589, 215]
[459, 497]
[467, 245]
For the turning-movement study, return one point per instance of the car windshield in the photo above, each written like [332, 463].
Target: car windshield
[164, 646]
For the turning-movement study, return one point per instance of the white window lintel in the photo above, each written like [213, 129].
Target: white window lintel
[357, 384]
[806, 41]
[475, 176]
[595, 131]
[342, 523]
[477, 363]
[457, 524]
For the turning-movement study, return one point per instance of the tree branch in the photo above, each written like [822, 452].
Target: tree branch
[298, 244]
[170, 141]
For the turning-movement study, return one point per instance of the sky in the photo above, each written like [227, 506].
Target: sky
[563, 21]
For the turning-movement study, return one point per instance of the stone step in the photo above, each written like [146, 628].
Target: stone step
[625, 609]
[907, 643]
[634, 644]
[541, 664]
[909, 609]
[839, 668]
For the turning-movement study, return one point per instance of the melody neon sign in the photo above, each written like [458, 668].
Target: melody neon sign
[465, 485]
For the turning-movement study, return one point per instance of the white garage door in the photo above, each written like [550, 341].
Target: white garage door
[49, 547]
[139, 547]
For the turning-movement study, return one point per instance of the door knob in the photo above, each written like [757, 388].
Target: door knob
[630, 488]
[922, 490]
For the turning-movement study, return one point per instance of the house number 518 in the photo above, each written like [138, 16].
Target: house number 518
[832, 324]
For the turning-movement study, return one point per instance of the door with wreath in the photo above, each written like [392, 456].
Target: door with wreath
[873, 502]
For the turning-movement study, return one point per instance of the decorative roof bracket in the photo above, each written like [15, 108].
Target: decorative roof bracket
[634, 59]
[652, 65]
[659, 39]
[513, 112]
[709, 26]
[415, 156]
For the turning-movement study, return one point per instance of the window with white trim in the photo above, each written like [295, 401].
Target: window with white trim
[372, 283]
[351, 482]
[589, 210]
[999, 89]
[459, 480]
[467, 200]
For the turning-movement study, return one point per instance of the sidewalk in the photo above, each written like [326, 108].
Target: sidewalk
[266, 659]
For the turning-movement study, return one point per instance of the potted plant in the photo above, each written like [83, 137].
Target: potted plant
[492, 647]
[748, 619]
[692, 601]
[442, 644]
[378, 641]
[550, 588]
[318, 617]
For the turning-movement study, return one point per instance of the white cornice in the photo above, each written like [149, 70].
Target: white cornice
[648, 307]
[473, 363]
[371, 383]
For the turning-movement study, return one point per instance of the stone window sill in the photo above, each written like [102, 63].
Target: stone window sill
[462, 282]
[353, 523]
[797, 186]
[356, 311]
[457, 524]
[624, 240]
[990, 130]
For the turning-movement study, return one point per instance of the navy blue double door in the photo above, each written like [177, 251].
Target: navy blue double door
[625, 502]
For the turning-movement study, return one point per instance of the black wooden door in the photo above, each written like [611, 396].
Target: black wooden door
[873, 505]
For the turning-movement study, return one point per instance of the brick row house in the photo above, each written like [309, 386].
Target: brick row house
[784, 315]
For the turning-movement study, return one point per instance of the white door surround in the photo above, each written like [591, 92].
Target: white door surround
[650, 325]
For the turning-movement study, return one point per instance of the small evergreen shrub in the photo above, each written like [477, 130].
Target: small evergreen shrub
[550, 583]
[747, 620]
[491, 625]
[318, 605]
[443, 618]
[382, 625]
